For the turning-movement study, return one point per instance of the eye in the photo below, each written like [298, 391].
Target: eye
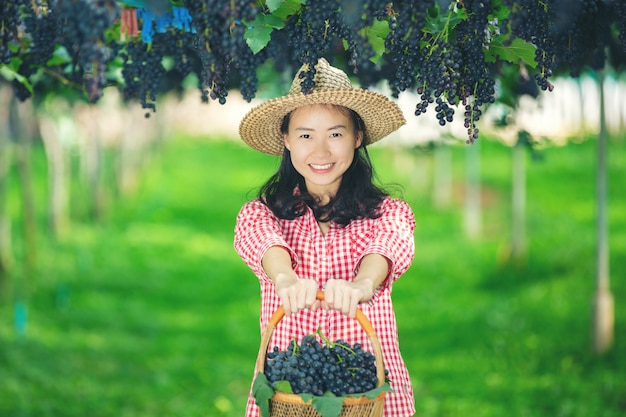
[305, 136]
[335, 135]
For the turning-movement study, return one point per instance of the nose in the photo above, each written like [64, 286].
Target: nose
[321, 148]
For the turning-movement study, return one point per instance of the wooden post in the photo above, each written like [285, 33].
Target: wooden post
[473, 215]
[518, 197]
[603, 303]
[6, 249]
[442, 177]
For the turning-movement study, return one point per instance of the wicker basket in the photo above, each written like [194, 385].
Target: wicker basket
[292, 405]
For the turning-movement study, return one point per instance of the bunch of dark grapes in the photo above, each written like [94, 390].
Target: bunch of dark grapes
[83, 26]
[313, 35]
[315, 368]
[531, 21]
[142, 70]
[405, 58]
[470, 79]
[9, 24]
[620, 12]
[220, 46]
[40, 24]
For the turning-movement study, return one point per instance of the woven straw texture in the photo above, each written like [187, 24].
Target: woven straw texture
[279, 408]
[292, 405]
[260, 128]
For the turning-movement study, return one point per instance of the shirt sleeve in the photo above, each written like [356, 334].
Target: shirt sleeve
[257, 229]
[393, 238]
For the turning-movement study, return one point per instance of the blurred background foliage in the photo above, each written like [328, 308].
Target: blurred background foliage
[146, 310]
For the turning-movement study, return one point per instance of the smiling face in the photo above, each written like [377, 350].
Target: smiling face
[321, 140]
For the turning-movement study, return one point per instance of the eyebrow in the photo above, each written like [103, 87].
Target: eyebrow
[330, 128]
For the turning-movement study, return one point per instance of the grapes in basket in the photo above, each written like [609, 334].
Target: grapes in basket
[315, 368]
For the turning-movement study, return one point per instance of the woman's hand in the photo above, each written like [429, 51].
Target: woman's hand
[296, 294]
[345, 296]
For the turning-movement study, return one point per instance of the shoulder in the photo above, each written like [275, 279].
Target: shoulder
[254, 209]
[391, 205]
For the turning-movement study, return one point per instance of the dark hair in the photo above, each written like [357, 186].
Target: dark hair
[358, 196]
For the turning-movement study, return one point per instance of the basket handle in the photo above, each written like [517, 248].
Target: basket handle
[360, 317]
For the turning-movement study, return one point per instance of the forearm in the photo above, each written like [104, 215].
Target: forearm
[372, 272]
[295, 294]
[278, 266]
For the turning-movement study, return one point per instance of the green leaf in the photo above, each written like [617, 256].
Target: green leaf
[499, 11]
[376, 34]
[59, 57]
[262, 392]
[272, 5]
[10, 74]
[286, 8]
[518, 50]
[283, 386]
[258, 37]
[328, 405]
[374, 393]
[443, 23]
[259, 30]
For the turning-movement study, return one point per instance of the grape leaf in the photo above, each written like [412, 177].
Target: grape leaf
[60, 56]
[11, 74]
[376, 34]
[499, 10]
[259, 30]
[282, 9]
[328, 405]
[257, 37]
[262, 392]
[373, 393]
[283, 386]
[516, 51]
[443, 23]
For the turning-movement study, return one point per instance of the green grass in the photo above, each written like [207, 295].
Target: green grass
[151, 313]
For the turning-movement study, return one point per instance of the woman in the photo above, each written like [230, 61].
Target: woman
[321, 224]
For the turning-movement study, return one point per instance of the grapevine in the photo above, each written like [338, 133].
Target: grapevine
[449, 54]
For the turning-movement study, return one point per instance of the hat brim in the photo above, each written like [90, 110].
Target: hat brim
[260, 128]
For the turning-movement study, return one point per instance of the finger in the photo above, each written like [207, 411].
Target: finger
[338, 299]
[311, 294]
[315, 306]
[293, 302]
[345, 302]
[286, 306]
[301, 298]
[329, 293]
[354, 302]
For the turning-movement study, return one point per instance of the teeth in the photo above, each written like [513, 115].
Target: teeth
[314, 166]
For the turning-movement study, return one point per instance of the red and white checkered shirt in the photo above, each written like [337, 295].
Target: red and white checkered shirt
[334, 256]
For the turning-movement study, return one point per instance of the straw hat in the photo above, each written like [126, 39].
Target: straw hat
[260, 128]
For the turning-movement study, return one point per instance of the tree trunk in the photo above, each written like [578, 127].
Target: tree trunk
[91, 160]
[6, 249]
[442, 176]
[58, 194]
[518, 203]
[603, 303]
[473, 222]
[22, 124]
[129, 154]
